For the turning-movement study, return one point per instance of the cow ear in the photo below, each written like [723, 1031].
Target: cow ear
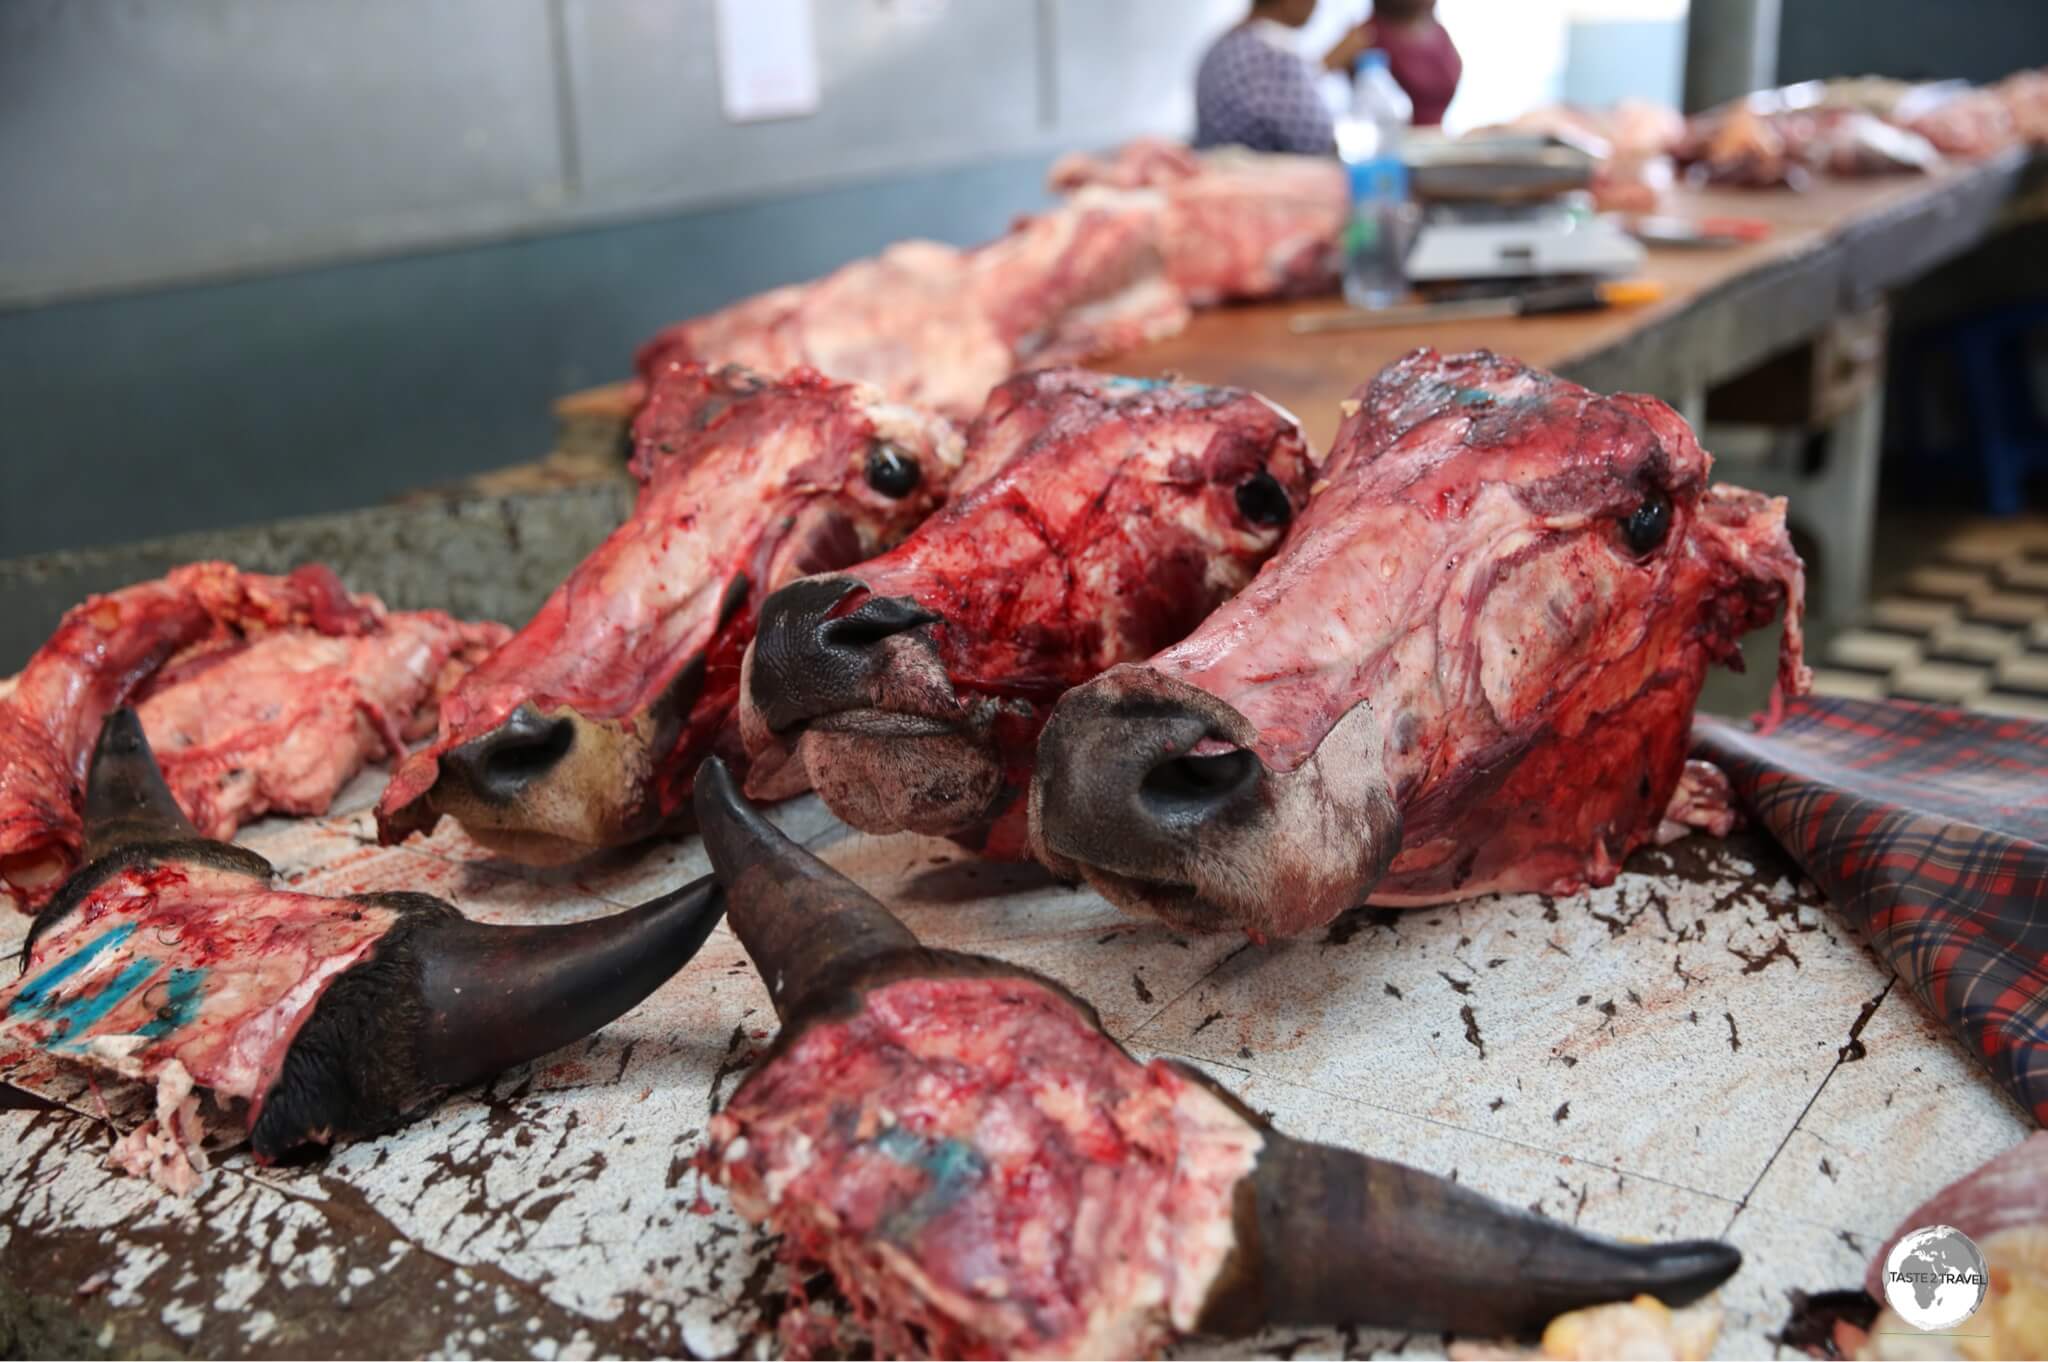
[1758, 574]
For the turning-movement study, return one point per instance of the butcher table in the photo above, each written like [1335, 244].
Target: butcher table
[1697, 1050]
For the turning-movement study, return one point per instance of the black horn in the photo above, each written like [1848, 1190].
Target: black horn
[126, 801]
[1330, 1237]
[499, 996]
[802, 922]
[443, 1002]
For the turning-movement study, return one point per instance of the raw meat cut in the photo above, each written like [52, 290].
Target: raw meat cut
[2025, 95]
[584, 730]
[986, 1173]
[1234, 225]
[264, 692]
[1784, 137]
[284, 723]
[176, 961]
[1102, 519]
[1138, 241]
[938, 326]
[1504, 586]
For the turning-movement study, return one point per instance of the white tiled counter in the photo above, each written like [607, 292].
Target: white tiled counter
[1698, 1050]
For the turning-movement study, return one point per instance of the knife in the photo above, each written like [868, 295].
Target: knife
[1537, 302]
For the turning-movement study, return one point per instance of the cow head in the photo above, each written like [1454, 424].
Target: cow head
[1104, 517]
[1472, 667]
[584, 730]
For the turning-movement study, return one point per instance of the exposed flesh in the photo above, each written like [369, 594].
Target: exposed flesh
[284, 723]
[939, 326]
[1101, 521]
[2003, 1207]
[1235, 224]
[987, 1175]
[188, 976]
[745, 484]
[264, 692]
[1458, 612]
[1139, 240]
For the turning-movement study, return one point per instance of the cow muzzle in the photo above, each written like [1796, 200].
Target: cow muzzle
[857, 705]
[1155, 793]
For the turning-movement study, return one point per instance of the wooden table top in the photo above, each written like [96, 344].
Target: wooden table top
[1902, 225]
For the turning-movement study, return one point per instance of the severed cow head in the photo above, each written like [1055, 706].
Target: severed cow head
[1472, 668]
[585, 729]
[1104, 517]
[985, 1172]
[181, 962]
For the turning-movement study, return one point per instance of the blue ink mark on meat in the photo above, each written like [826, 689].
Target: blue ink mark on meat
[952, 1167]
[49, 981]
[74, 1017]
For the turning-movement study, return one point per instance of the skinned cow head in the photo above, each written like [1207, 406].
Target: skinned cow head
[1104, 517]
[1472, 668]
[179, 961]
[584, 730]
[987, 1173]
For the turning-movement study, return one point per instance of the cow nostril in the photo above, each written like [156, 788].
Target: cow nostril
[522, 750]
[1188, 789]
[809, 662]
[881, 618]
[519, 761]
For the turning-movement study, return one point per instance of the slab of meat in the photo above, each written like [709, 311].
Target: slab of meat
[1784, 137]
[1970, 124]
[1138, 241]
[938, 326]
[2025, 95]
[265, 692]
[1504, 586]
[985, 1173]
[1234, 224]
[1103, 518]
[176, 961]
[584, 730]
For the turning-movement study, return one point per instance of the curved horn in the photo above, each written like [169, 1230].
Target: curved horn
[1338, 1238]
[442, 1002]
[498, 996]
[127, 802]
[800, 920]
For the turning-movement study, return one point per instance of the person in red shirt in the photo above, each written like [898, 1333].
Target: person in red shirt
[1420, 54]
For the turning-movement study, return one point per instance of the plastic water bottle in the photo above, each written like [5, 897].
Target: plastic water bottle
[1382, 219]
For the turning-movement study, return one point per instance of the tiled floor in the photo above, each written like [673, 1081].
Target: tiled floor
[1966, 624]
[1696, 1050]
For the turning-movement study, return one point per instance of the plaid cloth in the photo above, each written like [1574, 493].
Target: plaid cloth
[1928, 830]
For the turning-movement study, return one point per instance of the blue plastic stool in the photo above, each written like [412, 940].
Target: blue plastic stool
[2005, 435]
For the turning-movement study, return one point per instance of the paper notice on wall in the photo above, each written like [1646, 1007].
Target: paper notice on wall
[767, 59]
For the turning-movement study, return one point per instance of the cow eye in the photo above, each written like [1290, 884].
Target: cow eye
[1646, 527]
[892, 472]
[1263, 501]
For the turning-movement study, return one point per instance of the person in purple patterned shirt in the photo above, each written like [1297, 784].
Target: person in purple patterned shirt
[1255, 89]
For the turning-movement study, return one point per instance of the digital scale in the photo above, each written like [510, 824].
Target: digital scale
[1507, 209]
